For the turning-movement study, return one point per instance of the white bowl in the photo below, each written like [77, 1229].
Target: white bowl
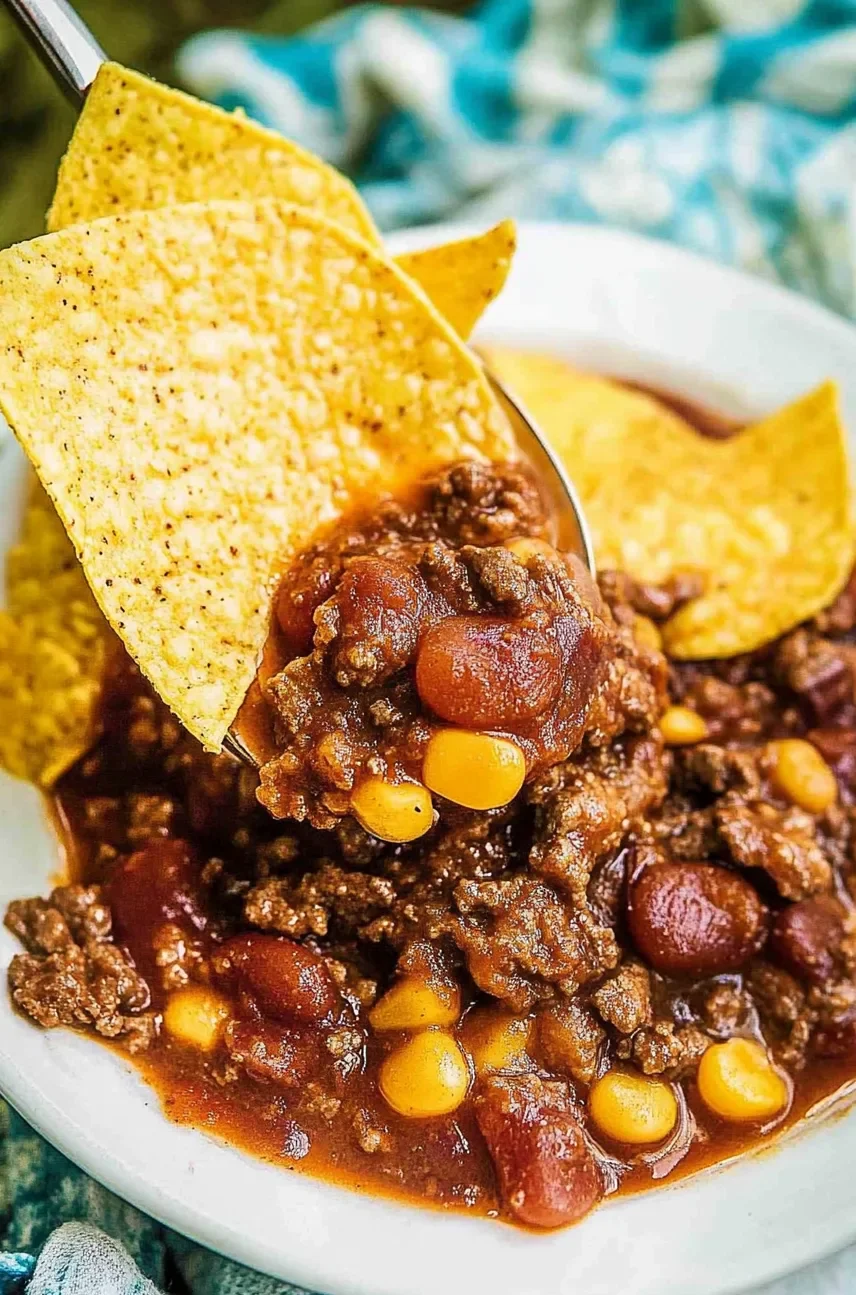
[646, 311]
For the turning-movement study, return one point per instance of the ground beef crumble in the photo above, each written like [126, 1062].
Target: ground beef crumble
[781, 842]
[624, 998]
[72, 974]
[521, 942]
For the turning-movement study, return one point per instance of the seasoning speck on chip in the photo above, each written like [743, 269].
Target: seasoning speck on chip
[53, 647]
[764, 515]
[200, 389]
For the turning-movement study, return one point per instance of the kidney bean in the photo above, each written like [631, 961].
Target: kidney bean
[157, 884]
[380, 603]
[297, 600]
[695, 919]
[272, 1055]
[547, 1174]
[805, 938]
[484, 672]
[149, 888]
[822, 677]
[285, 980]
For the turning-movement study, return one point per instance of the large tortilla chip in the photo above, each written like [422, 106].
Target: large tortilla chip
[53, 646]
[464, 277]
[139, 145]
[200, 388]
[764, 515]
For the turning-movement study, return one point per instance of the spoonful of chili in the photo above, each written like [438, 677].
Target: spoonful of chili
[73, 56]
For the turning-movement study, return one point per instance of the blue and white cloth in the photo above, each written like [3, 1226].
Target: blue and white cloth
[728, 126]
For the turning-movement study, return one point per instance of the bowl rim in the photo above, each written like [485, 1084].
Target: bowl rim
[328, 1238]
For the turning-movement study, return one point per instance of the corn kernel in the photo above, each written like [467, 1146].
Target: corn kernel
[392, 811]
[799, 771]
[412, 1004]
[632, 1108]
[528, 546]
[196, 1016]
[646, 633]
[681, 726]
[477, 770]
[737, 1080]
[427, 1075]
[496, 1040]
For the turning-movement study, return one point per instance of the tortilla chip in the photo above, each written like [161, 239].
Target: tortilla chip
[139, 145]
[464, 277]
[200, 388]
[790, 548]
[53, 647]
[765, 515]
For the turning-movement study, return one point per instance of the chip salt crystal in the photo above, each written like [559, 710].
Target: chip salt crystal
[185, 485]
[139, 145]
[765, 514]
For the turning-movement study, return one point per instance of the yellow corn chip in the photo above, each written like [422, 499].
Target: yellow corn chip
[139, 145]
[199, 389]
[53, 645]
[765, 515]
[462, 278]
[790, 546]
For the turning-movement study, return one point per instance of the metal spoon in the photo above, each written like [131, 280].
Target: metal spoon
[73, 56]
[62, 41]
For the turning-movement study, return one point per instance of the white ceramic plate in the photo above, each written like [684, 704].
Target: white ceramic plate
[643, 310]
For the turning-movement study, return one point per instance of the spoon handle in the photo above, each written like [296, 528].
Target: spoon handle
[62, 41]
